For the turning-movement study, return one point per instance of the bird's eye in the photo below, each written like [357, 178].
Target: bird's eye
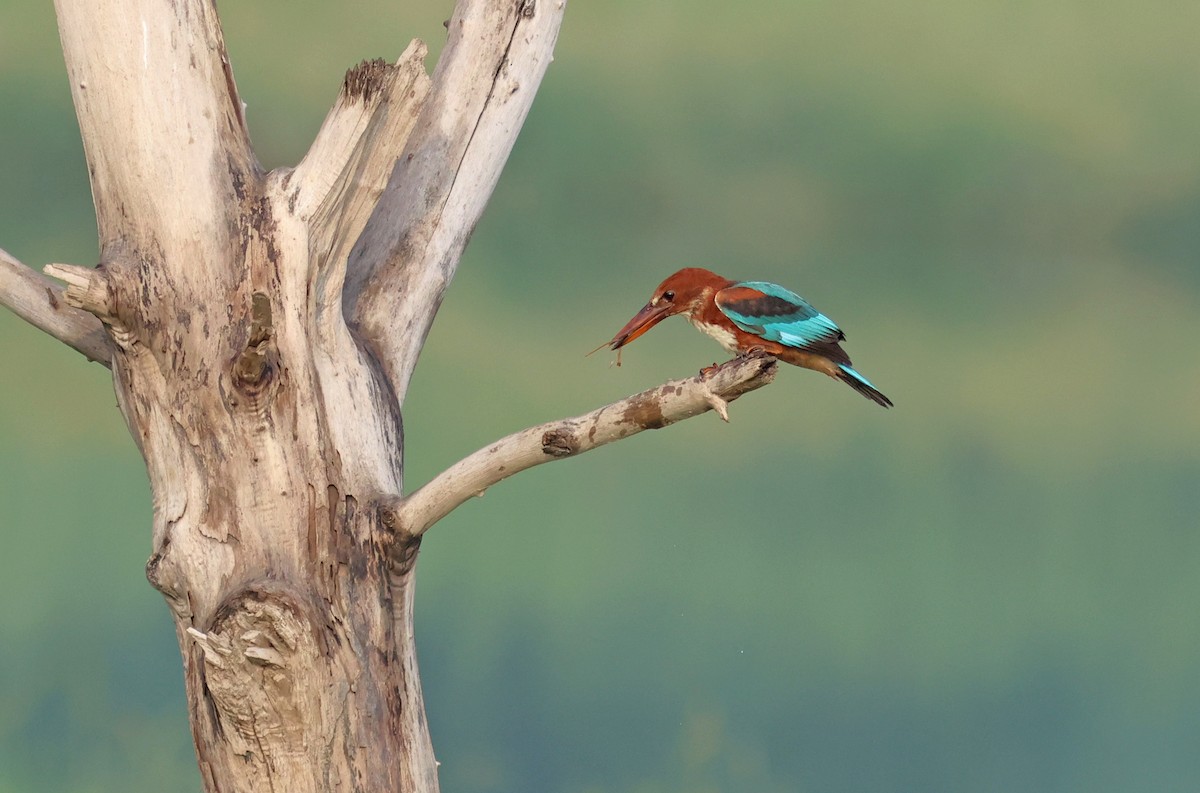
[668, 296]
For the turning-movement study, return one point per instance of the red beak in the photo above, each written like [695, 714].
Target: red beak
[644, 320]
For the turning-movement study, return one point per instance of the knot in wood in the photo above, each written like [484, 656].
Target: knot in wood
[559, 443]
[256, 362]
[159, 574]
[260, 659]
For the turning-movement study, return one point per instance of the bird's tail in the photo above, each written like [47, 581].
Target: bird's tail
[862, 385]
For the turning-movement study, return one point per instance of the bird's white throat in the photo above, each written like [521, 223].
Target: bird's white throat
[724, 336]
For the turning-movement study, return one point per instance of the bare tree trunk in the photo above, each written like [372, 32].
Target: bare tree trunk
[270, 432]
[262, 329]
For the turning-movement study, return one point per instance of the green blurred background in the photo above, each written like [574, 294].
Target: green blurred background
[992, 587]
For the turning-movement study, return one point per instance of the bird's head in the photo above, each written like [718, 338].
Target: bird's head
[683, 292]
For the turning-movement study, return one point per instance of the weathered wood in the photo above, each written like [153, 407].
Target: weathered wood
[42, 303]
[486, 78]
[652, 409]
[262, 329]
[265, 457]
[271, 434]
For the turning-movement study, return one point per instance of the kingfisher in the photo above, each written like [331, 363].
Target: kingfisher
[751, 316]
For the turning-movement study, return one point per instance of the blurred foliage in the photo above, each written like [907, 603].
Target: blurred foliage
[990, 587]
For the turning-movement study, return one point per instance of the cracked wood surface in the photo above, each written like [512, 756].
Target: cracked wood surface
[262, 329]
[271, 432]
[483, 87]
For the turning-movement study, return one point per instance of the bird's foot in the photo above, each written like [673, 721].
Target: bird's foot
[708, 371]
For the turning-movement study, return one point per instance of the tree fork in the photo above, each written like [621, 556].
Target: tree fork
[271, 433]
[262, 329]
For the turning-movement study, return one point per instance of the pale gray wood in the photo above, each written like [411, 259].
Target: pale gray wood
[652, 409]
[262, 329]
[40, 301]
[486, 78]
[270, 433]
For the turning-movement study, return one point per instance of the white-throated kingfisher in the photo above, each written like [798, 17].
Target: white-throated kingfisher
[747, 316]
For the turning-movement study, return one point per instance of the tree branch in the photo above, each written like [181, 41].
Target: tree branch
[162, 126]
[337, 185]
[650, 410]
[484, 84]
[41, 302]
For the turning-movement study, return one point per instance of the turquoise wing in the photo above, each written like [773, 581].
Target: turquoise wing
[777, 314]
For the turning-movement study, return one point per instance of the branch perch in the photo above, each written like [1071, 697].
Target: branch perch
[42, 302]
[650, 410]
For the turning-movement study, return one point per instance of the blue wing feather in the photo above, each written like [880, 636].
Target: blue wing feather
[777, 314]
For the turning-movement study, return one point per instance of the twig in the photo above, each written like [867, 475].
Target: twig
[42, 302]
[555, 440]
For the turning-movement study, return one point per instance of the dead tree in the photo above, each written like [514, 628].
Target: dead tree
[261, 328]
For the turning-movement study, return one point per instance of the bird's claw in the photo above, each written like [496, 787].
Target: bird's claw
[708, 371]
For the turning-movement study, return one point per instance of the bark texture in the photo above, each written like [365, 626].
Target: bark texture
[272, 433]
[262, 329]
